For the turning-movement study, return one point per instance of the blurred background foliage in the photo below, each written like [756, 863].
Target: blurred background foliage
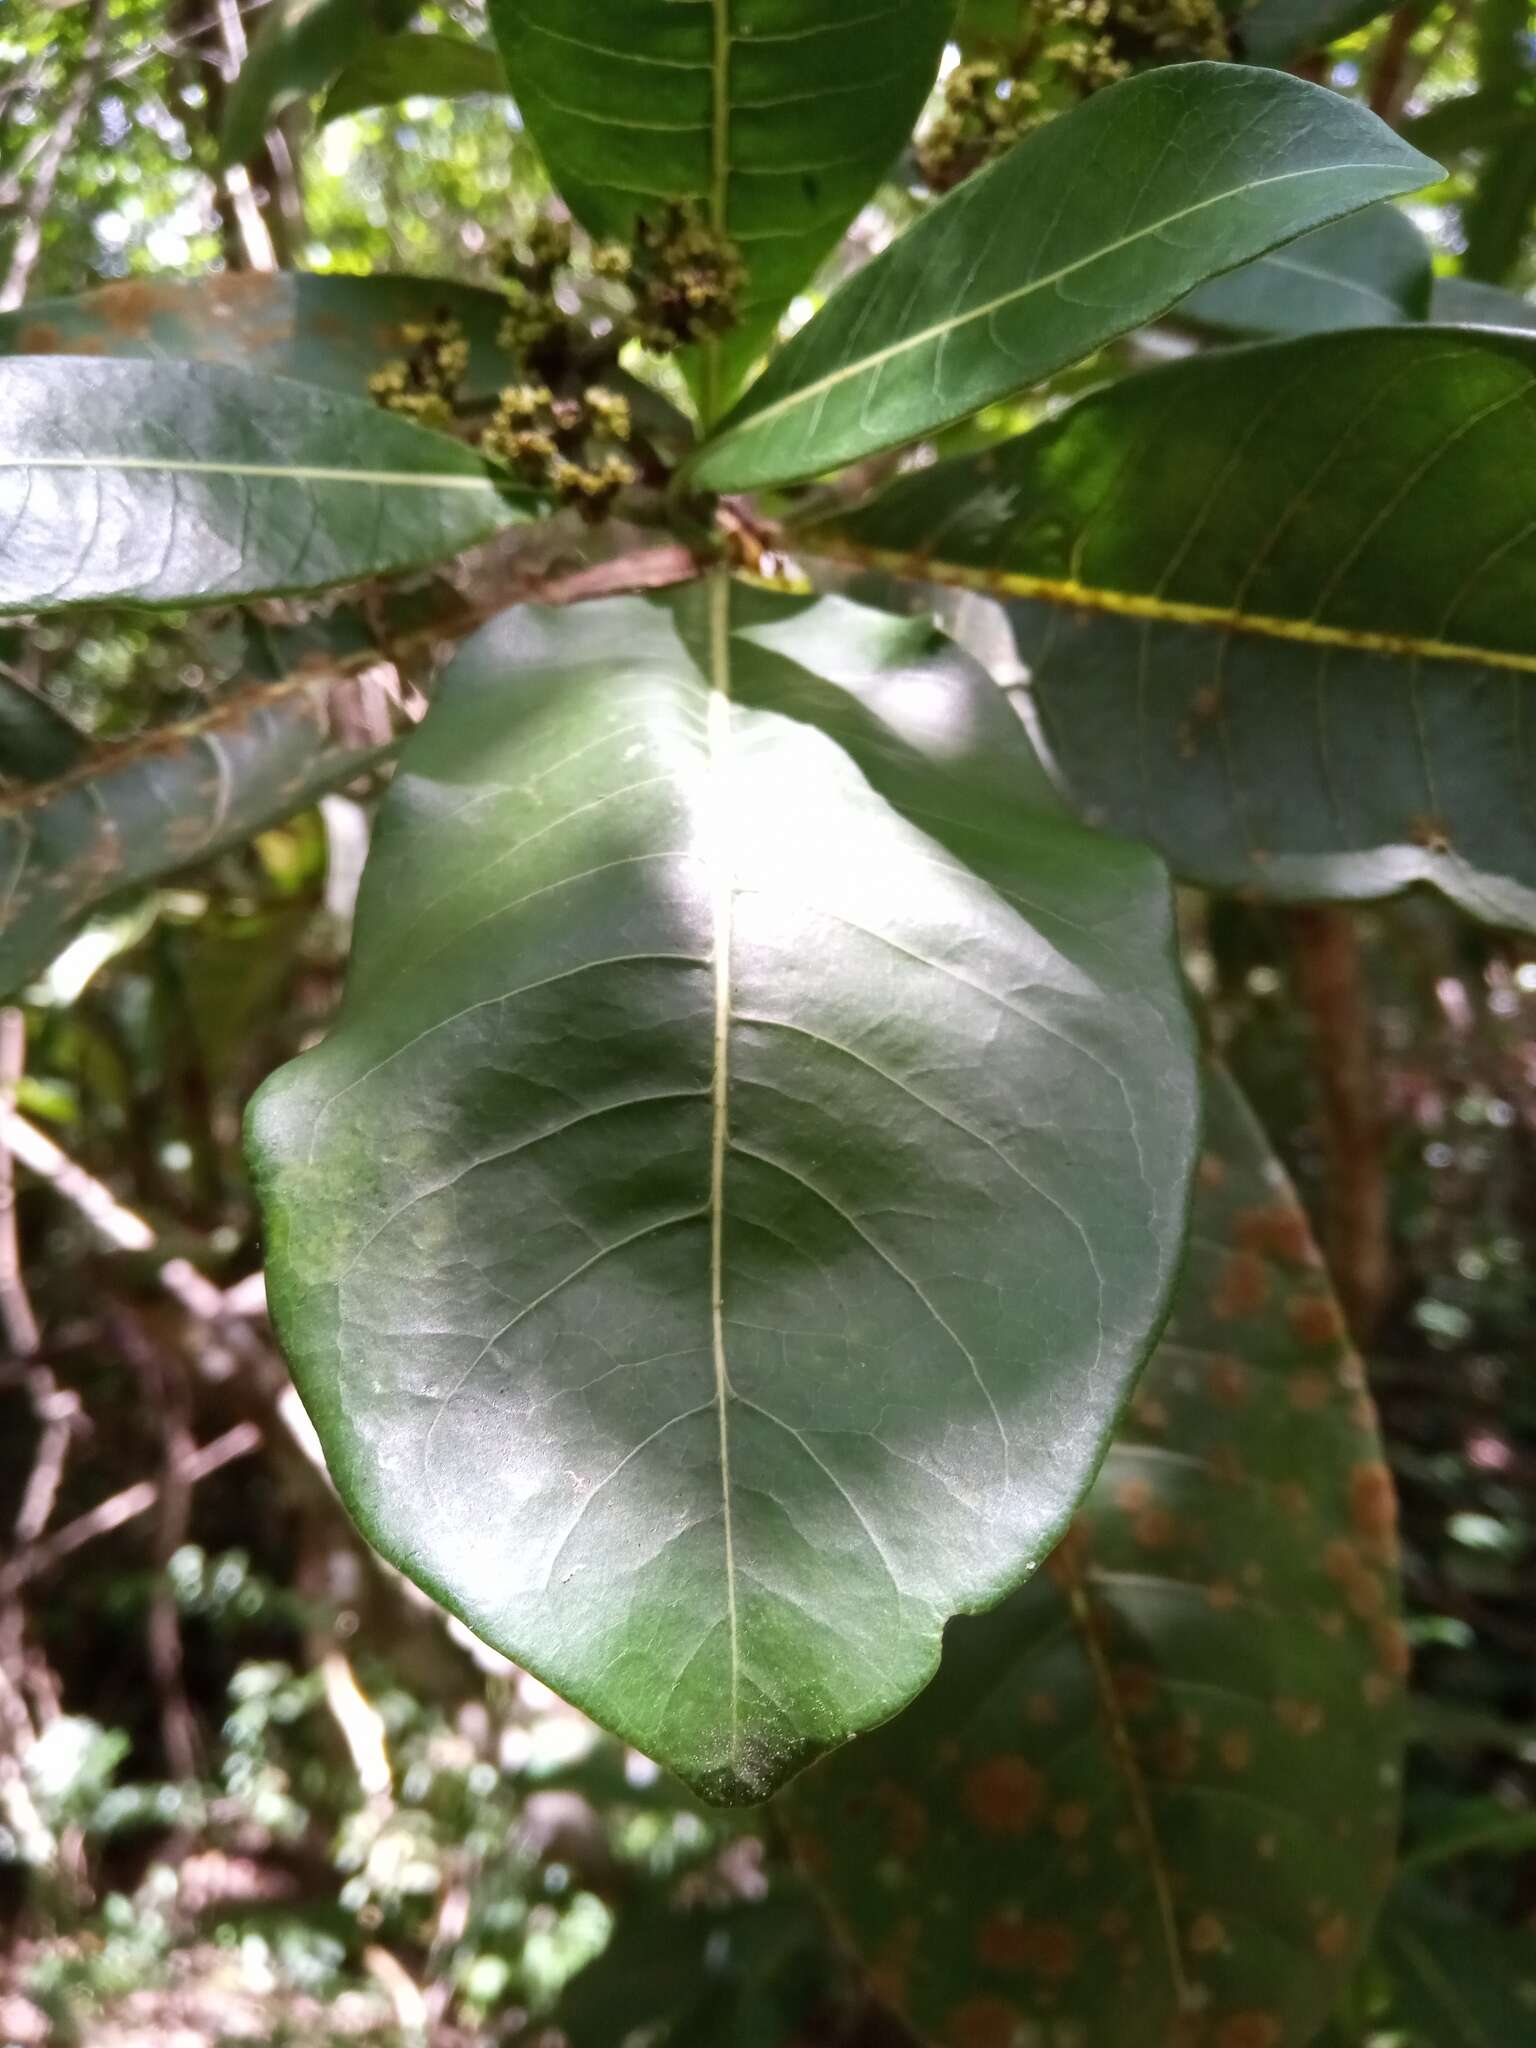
[252, 1786]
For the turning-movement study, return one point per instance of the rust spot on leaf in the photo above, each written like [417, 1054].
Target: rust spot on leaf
[1309, 1390]
[1071, 1821]
[1004, 1796]
[1278, 1230]
[1045, 1948]
[1373, 1506]
[1155, 1529]
[1235, 1750]
[1335, 1938]
[1207, 1936]
[1227, 1382]
[1244, 1287]
[983, 2023]
[39, 338]
[1316, 1320]
[1250, 2030]
[906, 1818]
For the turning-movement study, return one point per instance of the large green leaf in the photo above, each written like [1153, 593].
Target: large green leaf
[1093, 224]
[134, 813]
[1152, 1799]
[719, 1233]
[1457, 1982]
[1280, 31]
[414, 66]
[181, 483]
[299, 48]
[1369, 269]
[773, 119]
[1279, 604]
[334, 331]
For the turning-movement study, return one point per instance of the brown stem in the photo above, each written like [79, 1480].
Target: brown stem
[1388, 79]
[1331, 987]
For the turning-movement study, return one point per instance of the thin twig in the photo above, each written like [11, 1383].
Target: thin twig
[127, 1506]
[20, 1325]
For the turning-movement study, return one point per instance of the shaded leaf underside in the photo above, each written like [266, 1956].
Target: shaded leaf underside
[1279, 608]
[719, 1233]
[1153, 1796]
[142, 810]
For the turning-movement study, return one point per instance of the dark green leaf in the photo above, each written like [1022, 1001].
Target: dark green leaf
[1158, 183]
[137, 812]
[1464, 303]
[1162, 1780]
[172, 484]
[709, 1976]
[299, 48]
[1370, 269]
[1457, 1982]
[1502, 210]
[773, 119]
[1280, 31]
[1280, 608]
[414, 66]
[718, 1235]
[334, 331]
[36, 742]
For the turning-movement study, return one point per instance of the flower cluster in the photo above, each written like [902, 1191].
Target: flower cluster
[424, 386]
[572, 445]
[1072, 48]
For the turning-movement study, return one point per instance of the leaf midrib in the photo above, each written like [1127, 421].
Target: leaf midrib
[803, 393]
[1165, 611]
[723, 903]
[436, 480]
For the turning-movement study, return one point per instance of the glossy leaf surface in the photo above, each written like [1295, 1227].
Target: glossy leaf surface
[1279, 605]
[1152, 1798]
[718, 1234]
[135, 813]
[1368, 270]
[1157, 184]
[414, 66]
[773, 120]
[170, 484]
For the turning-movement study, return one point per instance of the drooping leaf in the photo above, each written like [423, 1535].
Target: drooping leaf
[721, 1228]
[1457, 1982]
[298, 49]
[334, 331]
[36, 741]
[1279, 604]
[184, 484]
[772, 120]
[133, 813]
[1368, 270]
[1279, 31]
[1164, 180]
[1152, 1799]
[414, 66]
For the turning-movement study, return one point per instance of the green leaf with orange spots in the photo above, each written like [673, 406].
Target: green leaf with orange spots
[1151, 1800]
